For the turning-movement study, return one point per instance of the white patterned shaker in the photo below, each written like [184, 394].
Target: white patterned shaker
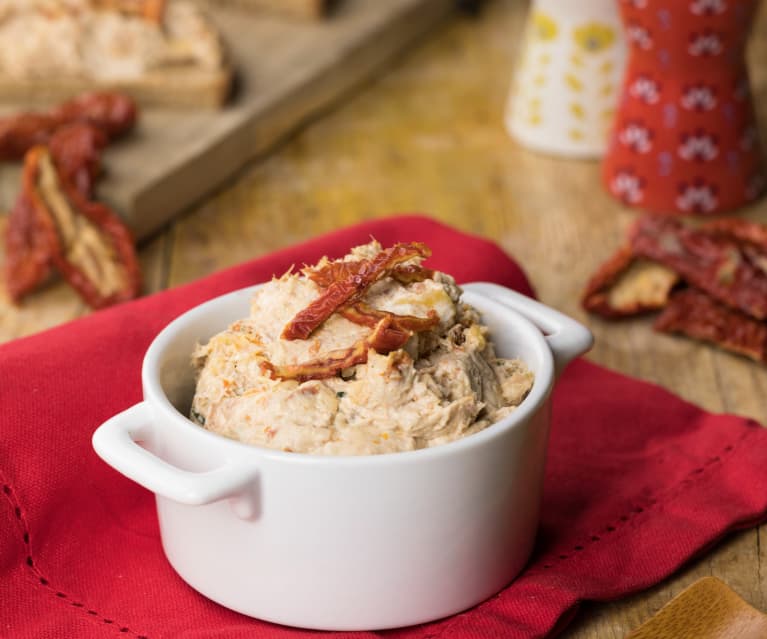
[568, 77]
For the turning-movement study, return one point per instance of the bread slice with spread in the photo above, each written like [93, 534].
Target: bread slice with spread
[161, 52]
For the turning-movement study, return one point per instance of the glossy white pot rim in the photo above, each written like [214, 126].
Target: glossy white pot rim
[564, 339]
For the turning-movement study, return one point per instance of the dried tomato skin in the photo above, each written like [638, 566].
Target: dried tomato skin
[345, 283]
[29, 243]
[725, 264]
[331, 272]
[76, 151]
[411, 273]
[309, 319]
[75, 132]
[104, 219]
[324, 368]
[152, 10]
[710, 262]
[367, 316]
[391, 338]
[693, 313]
[750, 236]
[334, 271]
[348, 291]
[20, 133]
[739, 230]
[594, 298]
[112, 113]
[123, 244]
[385, 338]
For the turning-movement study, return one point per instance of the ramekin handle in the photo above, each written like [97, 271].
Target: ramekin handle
[115, 441]
[566, 338]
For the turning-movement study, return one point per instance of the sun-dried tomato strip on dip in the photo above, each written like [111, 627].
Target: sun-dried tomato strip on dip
[367, 316]
[399, 328]
[349, 289]
[385, 338]
[334, 271]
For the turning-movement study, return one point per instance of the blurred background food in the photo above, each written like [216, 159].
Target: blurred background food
[164, 52]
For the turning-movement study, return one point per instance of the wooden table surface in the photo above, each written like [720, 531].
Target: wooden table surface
[428, 136]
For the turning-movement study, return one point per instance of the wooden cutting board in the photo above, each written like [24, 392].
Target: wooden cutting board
[287, 72]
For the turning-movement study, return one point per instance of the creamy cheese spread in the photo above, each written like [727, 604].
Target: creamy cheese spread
[41, 38]
[443, 384]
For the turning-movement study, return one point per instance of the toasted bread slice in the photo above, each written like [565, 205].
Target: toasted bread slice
[174, 59]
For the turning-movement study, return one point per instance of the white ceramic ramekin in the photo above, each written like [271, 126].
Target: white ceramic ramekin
[343, 543]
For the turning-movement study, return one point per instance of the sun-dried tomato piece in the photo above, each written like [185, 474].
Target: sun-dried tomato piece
[20, 133]
[332, 272]
[388, 336]
[368, 316]
[710, 262]
[692, 313]
[151, 10]
[345, 283]
[329, 366]
[410, 273]
[93, 248]
[626, 285]
[335, 271]
[348, 291]
[757, 256]
[384, 339]
[113, 113]
[738, 229]
[29, 245]
[751, 236]
[76, 151]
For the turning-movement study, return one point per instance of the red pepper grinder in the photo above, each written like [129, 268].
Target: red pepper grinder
[685, 139]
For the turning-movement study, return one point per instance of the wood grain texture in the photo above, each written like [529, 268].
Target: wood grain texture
[429, 136]
[706, 610]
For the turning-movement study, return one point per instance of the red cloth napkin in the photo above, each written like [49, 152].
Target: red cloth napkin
[638, 481]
